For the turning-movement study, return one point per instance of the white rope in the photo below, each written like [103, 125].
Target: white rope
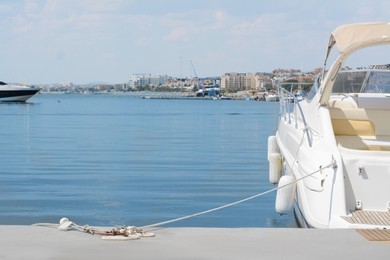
[51, 225]
[131, 232]
[332, 164]
[117, 233]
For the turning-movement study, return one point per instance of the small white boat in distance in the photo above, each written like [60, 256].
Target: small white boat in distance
[273, 97]
[16, 93]
[333, 147]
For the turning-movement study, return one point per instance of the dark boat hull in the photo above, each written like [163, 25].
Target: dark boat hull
[18, 95]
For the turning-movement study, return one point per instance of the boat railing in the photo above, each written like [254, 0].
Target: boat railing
[289, 109]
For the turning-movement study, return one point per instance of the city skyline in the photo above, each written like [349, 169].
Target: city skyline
[88, 41]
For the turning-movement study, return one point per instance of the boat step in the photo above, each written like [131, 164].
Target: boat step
[380, 218]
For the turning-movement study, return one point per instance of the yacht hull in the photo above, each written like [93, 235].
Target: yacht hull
[19, 95]
[336, 142]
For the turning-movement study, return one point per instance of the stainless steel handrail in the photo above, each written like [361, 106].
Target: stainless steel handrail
[286, 98]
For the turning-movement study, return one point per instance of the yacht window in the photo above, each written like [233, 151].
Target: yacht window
[364, 81]
[377, 82]
[349, 82]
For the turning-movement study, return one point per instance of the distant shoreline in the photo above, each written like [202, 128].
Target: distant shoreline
[157, 95]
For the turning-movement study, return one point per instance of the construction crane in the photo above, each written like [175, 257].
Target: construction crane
[196, 76]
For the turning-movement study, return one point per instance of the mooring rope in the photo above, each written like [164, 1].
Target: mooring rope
[332, 164]
[131, 232]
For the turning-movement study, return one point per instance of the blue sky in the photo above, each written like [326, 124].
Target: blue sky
[82, 41]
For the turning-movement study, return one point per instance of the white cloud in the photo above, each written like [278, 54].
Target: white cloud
[177, 34]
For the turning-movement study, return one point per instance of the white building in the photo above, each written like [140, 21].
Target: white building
[141, 80]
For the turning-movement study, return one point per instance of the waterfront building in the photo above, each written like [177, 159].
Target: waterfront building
[244, 81]
[285, 75]
[233, 81]
[142, 80]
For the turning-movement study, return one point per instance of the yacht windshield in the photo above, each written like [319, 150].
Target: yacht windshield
[377, 82]
[362, 81]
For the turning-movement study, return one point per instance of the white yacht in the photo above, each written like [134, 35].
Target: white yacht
[16, 93]
[331, 152]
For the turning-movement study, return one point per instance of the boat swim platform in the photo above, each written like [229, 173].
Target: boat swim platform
[36, 242]
[378, 218]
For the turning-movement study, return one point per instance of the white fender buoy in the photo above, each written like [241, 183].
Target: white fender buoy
[272, 146]
[275, 167]
[285, 196]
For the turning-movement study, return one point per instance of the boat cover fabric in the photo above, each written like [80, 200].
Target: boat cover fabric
[351, 34]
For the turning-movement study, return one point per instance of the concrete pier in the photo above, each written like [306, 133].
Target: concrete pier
[32, 242]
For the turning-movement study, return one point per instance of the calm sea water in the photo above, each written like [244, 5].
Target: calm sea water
[122, 160]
